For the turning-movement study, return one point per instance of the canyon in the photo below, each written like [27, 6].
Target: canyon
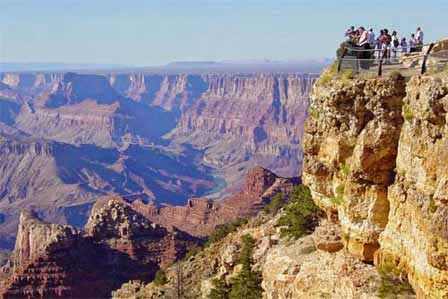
[374, 163]
[69, 138]
[120, 242]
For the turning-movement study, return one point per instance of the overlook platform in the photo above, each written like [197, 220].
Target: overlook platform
[431, 57]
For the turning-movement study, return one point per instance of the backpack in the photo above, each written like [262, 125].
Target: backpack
[396, 43]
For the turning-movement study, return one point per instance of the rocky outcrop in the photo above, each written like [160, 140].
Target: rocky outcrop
[57, 261]
[290, 269]
[350, 148]
[415, 240]
[373, 152]
[201, 215]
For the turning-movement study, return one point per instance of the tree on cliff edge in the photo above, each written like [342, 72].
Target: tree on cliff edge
[247, 284]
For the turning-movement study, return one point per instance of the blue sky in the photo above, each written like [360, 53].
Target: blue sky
[154, 32]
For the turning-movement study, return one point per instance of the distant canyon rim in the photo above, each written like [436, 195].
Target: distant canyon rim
[68, 138]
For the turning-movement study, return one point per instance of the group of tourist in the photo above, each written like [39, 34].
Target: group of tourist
[385, 45]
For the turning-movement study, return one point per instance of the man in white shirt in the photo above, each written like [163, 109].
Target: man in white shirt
[363, 37]
[419, 36]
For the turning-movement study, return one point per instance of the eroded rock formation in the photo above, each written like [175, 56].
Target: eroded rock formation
[201, 215]
[375, 153]
[59, 261]
[415, 240]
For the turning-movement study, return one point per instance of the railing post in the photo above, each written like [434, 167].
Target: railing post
[341, 58]
[380, 66]
[425, 58]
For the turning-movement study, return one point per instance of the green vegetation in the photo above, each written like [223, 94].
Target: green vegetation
[160, 278]
[277, 202]
[247, 284]
[345, 170]
[314, 114]
[308, 250]
[407, 113]
[220, 289]
[347, 75]
[339, 198]
[393, 282]
[432, 205]
[221, 231]
[301, 214]
[192, 252]
[391, 287]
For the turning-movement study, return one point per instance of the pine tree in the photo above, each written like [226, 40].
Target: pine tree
[247, 284]
[220, 289]
[160, 278]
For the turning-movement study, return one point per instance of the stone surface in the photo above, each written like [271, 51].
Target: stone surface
[415, 240]
[57, 261]
[350, 149]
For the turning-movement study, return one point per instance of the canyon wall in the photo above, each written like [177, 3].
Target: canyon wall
[57, 261]
[375, 153]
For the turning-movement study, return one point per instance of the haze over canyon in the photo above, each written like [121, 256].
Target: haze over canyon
[68, 138]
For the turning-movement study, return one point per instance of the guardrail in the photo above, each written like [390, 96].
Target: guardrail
[390, 56]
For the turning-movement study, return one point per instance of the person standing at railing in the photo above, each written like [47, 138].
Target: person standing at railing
[379, 45]
[371, 38]
[385, 40]
[363, 43]
[349, 32]
[412, 44]
[394, 44]
[419, 36]
[404, 45]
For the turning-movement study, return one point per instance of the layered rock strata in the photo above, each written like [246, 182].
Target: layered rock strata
[350, 148]
[201, 215]
[415, 241]
[59, 261]
[374, 160]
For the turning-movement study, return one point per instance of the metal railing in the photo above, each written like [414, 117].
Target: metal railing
[393, 56]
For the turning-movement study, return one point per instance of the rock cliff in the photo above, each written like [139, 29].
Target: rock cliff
[57, 261]
[415, 240]
[201, 215]
[374, 160]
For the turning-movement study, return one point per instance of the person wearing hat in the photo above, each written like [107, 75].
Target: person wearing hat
[371, 37]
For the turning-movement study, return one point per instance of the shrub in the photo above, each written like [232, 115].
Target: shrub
[301, 214]
[247, 284]
[407, 113]
[220, 289]
[392, 287]
[221, 231]
[315, 114]
[348, 75]
[338, 199]
[160, 278]
[277, 202]
[344, 169]
[396, 75]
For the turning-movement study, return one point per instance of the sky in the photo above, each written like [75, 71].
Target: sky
[156, 32]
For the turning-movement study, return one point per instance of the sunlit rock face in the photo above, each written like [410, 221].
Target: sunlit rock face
[60, 261]
[350, 149]
[416, 237]
[375, 153]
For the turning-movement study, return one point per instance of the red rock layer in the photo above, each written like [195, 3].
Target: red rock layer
[59, 261]
[201, 215]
